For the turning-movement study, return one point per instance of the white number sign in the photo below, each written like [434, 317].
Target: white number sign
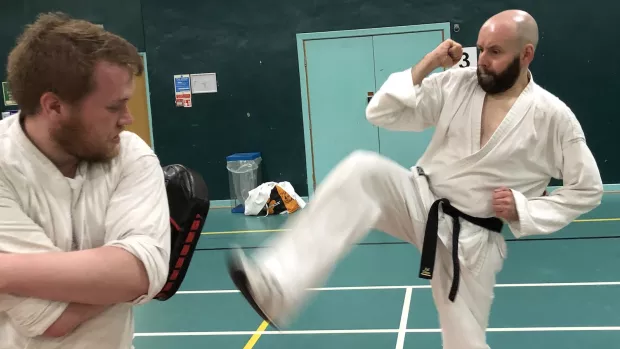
[469, 58]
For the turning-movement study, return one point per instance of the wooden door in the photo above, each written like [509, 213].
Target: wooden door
[139, 108]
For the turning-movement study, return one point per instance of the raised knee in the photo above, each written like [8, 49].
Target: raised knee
[361, 165]
[362, 159]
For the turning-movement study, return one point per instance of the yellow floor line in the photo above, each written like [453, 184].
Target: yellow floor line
[242, 231]
[587, 220]
[259, 331]
[597, 220]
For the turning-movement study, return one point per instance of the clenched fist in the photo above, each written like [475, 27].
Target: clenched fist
[447, 54]
[504, 204]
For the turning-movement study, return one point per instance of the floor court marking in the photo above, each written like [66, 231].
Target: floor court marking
[402, 330]
[306, 198]
[363, 288]
[409, 288]
[259, 331]
[231, 232]
[395, 331]
[243, 231]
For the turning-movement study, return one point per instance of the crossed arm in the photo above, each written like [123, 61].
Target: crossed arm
[46, 291]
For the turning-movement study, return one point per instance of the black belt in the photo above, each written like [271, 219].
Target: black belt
[429, 247]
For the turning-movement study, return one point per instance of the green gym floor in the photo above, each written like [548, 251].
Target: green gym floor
[557, 291]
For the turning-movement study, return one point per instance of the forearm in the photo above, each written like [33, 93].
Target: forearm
[423, 68]
[101, 276]
[75, 315]
[405, 105]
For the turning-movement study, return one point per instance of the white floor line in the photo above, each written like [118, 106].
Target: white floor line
[395, 331]
[363, 288]
[402, 330]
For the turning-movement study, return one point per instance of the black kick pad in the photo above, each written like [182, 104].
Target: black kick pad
[188, 200]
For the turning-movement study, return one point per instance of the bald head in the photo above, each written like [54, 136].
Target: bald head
[507, 42]
[513, 25]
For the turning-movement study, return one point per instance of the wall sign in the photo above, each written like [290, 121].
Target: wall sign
[7, 96]
[469, 58]
[183, 91]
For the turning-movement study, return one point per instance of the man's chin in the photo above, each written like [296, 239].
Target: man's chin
[103, 157]
[114, 152]
[485, 83]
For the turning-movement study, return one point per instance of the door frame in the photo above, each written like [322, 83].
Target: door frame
[302, 38]
[148, 98]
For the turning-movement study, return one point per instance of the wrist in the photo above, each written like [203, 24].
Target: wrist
[433, 61]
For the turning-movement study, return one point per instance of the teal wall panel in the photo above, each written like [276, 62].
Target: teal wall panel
[396, 53]
[338, 71]
[339, 75]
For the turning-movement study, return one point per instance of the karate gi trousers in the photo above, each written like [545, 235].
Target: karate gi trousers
[367, 191]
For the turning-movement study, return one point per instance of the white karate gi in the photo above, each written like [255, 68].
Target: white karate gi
[539, 139]
[123, 204]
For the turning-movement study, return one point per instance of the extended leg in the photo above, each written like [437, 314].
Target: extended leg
[363, 192]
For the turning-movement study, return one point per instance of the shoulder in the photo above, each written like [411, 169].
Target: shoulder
[14, 157]
[557, 113]
[135, 155]
[5, 125]
[455, 79]
[133, 147]
[456, 74]
[7, 122]
[548, 102]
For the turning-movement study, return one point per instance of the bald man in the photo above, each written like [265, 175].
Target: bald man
[499, 139]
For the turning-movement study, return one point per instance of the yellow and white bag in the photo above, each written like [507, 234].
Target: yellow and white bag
[273, 198]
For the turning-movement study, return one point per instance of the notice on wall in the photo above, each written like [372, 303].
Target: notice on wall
[7, 96]
[204, 83]
[183, 90]
[469, 58]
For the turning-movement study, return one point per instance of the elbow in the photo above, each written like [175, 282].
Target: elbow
[372, 115]
[154, 274]
[378, 113]
[152, 278]
[141, 285]
[149, 268]
[381, 118]
[58, 330]
[598, 192]
[37, 317]
[592, 195]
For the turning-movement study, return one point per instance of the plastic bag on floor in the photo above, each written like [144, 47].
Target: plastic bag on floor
[272, 198]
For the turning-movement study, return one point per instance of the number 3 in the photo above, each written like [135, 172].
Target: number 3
[465, 59]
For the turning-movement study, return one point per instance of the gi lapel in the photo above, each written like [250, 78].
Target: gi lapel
[512, 119]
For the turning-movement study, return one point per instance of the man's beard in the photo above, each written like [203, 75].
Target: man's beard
[73, 137]
[494, 83]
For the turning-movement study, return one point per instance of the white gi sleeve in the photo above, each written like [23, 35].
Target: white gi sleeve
[138, 218]
[19, 234]
[399, 105]
[581, 192]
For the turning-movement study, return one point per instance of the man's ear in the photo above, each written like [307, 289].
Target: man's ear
[51, 105]
[528, 54]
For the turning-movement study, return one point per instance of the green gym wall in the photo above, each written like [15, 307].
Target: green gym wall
[252, 46]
